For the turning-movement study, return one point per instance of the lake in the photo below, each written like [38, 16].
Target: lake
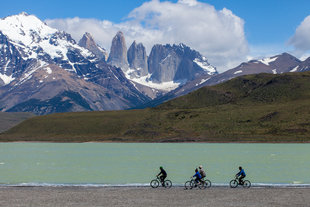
[101, 164]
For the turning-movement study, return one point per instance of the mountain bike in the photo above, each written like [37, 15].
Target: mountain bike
[201, 185]
[235, 182]
[155, 183]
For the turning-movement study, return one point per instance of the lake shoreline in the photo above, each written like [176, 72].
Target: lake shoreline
[146, 196]
[164, 142]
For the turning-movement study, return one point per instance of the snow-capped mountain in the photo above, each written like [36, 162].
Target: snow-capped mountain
[30, 48]
[36, 40]
[276, 65]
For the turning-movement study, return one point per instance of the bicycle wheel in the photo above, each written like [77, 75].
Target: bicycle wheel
[193, 184]
[233, 183]
[207, 183]
[187, 185]
[168, 183]
[246, 184]
[201, 185]
[154, 183]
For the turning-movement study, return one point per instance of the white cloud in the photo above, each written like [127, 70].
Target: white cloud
[219, 35]
[268, 50]
[301, 38]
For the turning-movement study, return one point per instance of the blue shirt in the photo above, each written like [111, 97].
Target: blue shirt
[197, 175]
[241, 173]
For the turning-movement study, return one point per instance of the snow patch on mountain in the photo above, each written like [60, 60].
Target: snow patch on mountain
[202, 81]
[165, 86]
[6, 79]
[6, 66]
[28, 75]
[294, 69]
[267, 61]
[237, 72]
[48, 70]
[205, 65]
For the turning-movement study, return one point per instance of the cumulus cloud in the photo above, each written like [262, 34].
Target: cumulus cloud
[217, 34]
[301, 38]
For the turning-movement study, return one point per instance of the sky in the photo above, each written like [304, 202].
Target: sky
[227, 32]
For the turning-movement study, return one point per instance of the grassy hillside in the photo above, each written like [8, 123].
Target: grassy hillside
[8, 120]
[254, 108]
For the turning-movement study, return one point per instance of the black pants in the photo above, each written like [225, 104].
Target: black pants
[162, 178]
[241, 179]
[197, 180]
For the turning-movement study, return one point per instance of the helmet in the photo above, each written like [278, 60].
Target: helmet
[161, 167]
[200, 166]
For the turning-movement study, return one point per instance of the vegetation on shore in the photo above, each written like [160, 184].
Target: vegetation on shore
[252, 108]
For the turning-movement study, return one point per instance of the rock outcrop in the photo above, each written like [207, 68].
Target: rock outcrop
[137, 59]
[89, 43]
[177, 63]
[118, 52]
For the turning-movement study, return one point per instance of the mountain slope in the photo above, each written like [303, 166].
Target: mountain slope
[303, 66]
[276, 65]
[253, 108]
[50, 82]
[250, 89]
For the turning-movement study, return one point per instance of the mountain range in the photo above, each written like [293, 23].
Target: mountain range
[44, 70]
[278, 64]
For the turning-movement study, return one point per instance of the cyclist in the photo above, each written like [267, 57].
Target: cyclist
[198, 176]
[241, 174]
[202, 172]
[162, 174]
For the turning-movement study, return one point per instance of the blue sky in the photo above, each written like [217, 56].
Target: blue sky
[268, 24]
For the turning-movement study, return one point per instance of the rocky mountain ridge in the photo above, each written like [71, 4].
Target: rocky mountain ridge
[278, 64]
[39, 63]
[166, 68]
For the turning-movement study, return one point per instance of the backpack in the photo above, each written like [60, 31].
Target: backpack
[203, 173]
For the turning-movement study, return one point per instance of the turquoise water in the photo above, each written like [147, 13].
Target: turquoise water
[137, 164]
